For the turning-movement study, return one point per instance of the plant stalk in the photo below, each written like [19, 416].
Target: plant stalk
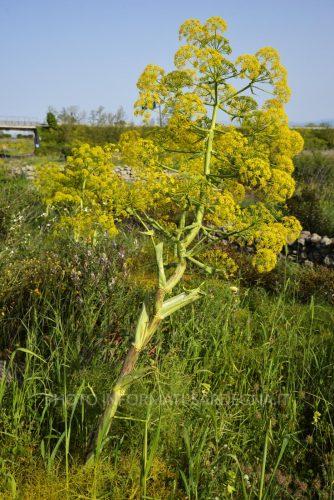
[98, 438]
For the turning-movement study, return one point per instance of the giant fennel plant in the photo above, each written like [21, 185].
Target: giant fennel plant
[195, 180]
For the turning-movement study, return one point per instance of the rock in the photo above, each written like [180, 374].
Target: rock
[326, 241]
[329, 261]
[312, 249]
[124, 171]
[315, 238]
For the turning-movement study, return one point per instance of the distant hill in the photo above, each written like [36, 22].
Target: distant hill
[316, 123]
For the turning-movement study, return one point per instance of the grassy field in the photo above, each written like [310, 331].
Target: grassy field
[235, 400]
[14, 146]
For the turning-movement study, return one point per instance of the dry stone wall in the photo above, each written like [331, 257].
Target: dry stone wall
[311, 249]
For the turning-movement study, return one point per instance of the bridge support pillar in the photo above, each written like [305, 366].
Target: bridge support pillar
[36, 138]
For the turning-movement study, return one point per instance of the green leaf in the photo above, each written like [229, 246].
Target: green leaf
[160, 263]
[179, 301]
[27, 351]
[141, 328]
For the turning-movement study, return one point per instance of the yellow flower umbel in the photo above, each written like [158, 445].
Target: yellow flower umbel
[245, 180]
[86, 192]
[264, 260]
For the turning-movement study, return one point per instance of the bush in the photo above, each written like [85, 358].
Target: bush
[315, 168]
[318, 138]
[62, 139]
[317, 282]
[309, 207]
[313, 202]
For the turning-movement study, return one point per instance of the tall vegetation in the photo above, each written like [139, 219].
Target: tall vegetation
[196, 182]
[238, 394]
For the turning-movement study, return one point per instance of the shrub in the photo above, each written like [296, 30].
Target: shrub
[322, 138]
[315, 168]
[317, 282]
[308, 206]
[51, 120]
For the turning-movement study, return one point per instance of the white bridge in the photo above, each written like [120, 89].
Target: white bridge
[22, 123]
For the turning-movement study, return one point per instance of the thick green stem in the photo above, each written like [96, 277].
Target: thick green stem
[206, 170]
[165, 287]
[98, 437]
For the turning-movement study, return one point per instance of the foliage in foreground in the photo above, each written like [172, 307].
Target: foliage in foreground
[234, 388]
[230, 388]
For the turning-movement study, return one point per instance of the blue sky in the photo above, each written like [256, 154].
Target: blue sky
[91, 52]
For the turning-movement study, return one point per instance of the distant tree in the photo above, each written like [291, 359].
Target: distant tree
[120, 117]
[71, 115]
[324, 124]
[98, 116]
[51, 120]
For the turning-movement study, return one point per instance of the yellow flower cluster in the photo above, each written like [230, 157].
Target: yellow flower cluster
[222, 209]
[264, 260]
[140, 154]
[190, 106]
[255, 173]
[86, 224]
[86, 192]
[283, 162]
[150, 90]
[220, 261]
[198, 34]
[249, 66]
[205, 59]
[271, 65]
[281, 186]
[293, 228]
[270, 238]
[178, 79]
[236, 189]
[229, 141]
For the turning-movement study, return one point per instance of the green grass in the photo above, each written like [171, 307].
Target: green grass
[16, 146]
[226, 397]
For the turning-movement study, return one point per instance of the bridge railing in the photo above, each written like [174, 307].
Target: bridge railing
[16, 121]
